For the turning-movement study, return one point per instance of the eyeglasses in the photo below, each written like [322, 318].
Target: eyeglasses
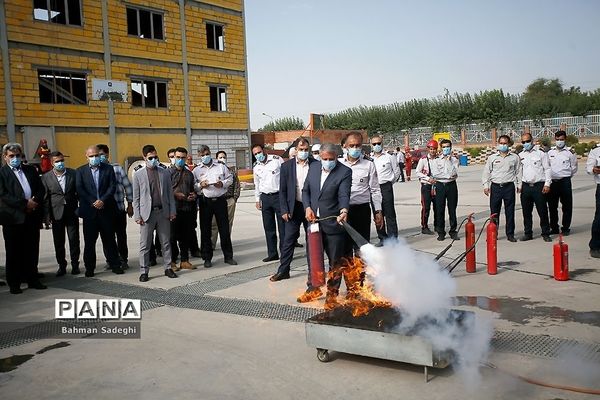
[152, 158]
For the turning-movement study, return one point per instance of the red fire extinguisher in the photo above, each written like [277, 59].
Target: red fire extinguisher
[315, 256]
[561, 260]
[469, 244]
[492, 246]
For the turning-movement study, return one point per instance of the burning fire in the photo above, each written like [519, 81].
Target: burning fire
[361, 296]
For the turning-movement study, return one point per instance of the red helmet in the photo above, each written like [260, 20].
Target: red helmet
[432, 143]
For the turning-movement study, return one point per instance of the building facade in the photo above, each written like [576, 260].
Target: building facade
[125, 73]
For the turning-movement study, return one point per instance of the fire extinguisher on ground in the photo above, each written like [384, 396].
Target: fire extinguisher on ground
[492, 246]
[470, 244]
[561, 260]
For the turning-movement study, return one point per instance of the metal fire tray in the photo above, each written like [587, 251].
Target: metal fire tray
[373, 335]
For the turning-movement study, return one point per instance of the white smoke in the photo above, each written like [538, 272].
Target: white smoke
[417, 286]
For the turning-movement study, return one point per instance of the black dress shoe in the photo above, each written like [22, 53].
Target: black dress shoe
[426, 231]
[279, 277]
[37, 285]
[547, 238]
[124, 265]
[271, 258]
[40, 275]
[511, 239]
[595, 253]
[566, 232]
[169, 272]
[144, 278]
[89, 273]
[231, 261]
[454, 235]
[207, 264]
[15, 290]
[75, 271]
[526, 238]
[441, 237]
[62, 271]
[118, 270]
[299, 245]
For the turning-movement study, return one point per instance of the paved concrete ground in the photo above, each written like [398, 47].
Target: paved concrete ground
[189, 352]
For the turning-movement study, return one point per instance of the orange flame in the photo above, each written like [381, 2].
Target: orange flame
[361, 296]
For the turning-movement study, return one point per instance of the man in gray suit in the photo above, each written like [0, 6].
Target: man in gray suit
[153, 209]
[60, 204]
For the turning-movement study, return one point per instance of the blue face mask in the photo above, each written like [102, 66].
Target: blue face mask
[377, 148]
[152, 163]
[302, 155]
[59, 166]
[179, 162]
[328, 165]
[354, 153]
[15, 162]
[503, 148]
[446, 151]
[103, 158]
[527, 146]
[94, 161]
[260, 157]
[206, 159]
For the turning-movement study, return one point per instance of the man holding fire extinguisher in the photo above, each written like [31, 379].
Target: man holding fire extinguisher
[326, 196]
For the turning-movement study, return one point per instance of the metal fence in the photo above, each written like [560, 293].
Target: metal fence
[580, 126]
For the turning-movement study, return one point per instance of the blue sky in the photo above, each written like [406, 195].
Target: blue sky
[323, 56]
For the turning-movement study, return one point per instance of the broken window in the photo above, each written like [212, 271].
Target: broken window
[62, 87]
[64, 12]
[145, 24]
[214, 36]
[218, 98]
[148, 93]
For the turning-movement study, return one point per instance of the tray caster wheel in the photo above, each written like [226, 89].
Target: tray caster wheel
[323, 355]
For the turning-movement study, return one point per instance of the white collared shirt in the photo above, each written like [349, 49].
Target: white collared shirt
[213, 173]
[387, 167]
[301, 172]
[365, 184]
[423, 170]
[536, 167]
[563, 163]
[593, 161]
[24, 182]
[266, 176]
[444, 168]
[401, 158]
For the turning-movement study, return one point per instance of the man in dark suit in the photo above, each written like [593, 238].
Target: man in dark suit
[96, 185]
[21, 195]
[326, 193]
[60, 204]
[292, 177]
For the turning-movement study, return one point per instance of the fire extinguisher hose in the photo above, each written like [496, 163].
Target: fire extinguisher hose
[544, 384]
[454, 263]
[452, 242]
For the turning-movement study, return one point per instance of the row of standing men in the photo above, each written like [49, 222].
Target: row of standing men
[160, 199]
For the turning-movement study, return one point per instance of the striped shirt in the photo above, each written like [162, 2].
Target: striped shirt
[124, 189]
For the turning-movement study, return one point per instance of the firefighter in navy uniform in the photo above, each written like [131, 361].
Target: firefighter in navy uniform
[266, 170]
[563, 165]
[501, 174]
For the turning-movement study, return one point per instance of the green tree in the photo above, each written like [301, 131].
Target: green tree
[284, 124]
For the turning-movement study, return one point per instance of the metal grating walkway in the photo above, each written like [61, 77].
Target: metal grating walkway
[194, 296]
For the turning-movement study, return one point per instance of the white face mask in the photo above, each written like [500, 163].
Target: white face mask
[222, 159]
[172, 160]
